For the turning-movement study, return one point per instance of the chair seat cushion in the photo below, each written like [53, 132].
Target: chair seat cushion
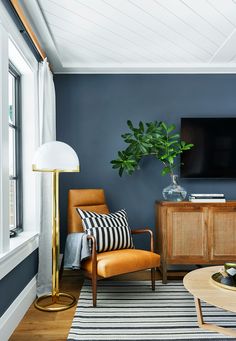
[112, 263]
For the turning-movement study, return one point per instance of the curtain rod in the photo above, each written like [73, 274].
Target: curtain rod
[28, 28]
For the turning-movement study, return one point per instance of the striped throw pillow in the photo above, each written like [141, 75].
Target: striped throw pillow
[111, 231]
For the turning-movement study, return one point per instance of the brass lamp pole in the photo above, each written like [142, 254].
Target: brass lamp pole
[44, 157]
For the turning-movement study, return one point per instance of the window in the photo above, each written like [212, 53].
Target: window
[14, 127]
[24, 127]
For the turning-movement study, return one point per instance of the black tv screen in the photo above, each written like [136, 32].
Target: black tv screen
[214, 151]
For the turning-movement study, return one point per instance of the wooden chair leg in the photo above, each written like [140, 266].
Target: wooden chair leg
[94, 286]
[94, 269]
[153, 273]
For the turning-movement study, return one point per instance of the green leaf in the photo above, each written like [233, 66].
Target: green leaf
[130, 125]
[189, 146]
[141, 126]
[120, 154]
[163, 157]
[126, 136]
[115, 166]
[165, 170]
[170, 128]
[162, 124]
[142, 149]
[121, 171]
[175, 136]
[173, 142]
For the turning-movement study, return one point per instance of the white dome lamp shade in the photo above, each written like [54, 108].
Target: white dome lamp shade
[55, 156]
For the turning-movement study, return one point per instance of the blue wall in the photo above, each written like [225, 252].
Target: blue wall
[15, 281]
[92, 111]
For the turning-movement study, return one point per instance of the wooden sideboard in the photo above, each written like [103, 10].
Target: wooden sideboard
[195, 233]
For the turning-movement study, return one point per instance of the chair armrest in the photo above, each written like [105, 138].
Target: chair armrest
[94, 252]
[146, 230]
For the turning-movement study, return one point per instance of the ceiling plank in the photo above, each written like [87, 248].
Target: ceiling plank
[226, 52]
[210, 15]
[194, 20]
[126, 37]
[227, 8]
[160, 30]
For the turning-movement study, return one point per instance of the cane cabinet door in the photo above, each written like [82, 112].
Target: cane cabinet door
[222, 233]
[187, 234]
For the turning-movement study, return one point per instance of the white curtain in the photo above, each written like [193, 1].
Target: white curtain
[46, 133]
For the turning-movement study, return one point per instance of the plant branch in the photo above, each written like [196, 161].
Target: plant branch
[153, 138]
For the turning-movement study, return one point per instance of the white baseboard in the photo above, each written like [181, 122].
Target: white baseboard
[11, 318]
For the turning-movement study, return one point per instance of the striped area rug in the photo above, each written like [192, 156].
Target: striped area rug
[132, 311]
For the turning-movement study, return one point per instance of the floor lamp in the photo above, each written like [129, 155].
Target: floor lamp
[55, 157]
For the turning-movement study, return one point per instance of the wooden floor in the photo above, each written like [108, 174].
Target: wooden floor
[38, 325]
[54, 326]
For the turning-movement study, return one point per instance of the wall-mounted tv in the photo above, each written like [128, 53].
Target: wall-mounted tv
[214, 151]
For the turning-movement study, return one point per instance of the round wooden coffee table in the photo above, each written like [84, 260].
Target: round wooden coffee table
[200, 285]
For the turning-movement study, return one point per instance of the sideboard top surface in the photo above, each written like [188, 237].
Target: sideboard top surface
[190, 203]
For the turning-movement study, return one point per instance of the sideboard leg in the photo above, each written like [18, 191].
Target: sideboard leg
[164, 273]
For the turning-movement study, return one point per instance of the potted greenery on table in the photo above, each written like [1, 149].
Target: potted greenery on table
[159, 140]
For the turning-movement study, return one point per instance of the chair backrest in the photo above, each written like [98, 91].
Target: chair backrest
[86, 199]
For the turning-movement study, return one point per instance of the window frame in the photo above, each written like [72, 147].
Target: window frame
[12, 46]
[17, 126]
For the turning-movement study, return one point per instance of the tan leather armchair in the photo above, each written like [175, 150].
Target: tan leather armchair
[110, 263]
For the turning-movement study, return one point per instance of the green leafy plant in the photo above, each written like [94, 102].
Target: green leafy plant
[153, 138]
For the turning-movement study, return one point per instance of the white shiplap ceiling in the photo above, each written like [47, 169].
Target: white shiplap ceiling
[90, 36]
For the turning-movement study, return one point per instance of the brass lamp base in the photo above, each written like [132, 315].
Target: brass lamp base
[55, 304]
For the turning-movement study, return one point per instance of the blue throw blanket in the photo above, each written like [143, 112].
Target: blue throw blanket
[76, 250]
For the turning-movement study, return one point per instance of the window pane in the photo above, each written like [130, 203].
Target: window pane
[12, 152]
[12, 203]
[15, 184]
[11, 98]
